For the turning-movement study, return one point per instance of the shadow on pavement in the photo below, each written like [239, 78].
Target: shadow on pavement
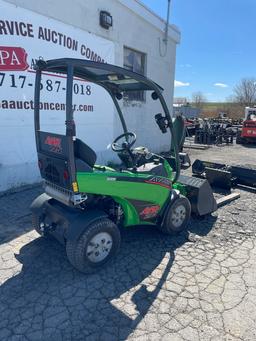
[249, 146]
[50, 300]
[15, 213]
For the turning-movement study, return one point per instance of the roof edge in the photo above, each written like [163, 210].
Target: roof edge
[154, 19]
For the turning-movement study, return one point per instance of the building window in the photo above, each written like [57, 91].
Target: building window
[134, 61]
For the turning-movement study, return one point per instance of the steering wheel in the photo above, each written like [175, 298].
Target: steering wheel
[130, 139]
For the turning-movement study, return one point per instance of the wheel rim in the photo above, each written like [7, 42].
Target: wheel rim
[99, 247]
[178, 215]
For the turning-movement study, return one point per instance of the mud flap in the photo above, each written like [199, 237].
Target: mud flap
[69, 223]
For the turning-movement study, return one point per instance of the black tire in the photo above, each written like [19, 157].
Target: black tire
[35, 224]
[173, 225]
[77, 250]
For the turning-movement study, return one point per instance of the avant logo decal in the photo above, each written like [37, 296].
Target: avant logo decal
[160, 181]
[150, 212]
[54, 143]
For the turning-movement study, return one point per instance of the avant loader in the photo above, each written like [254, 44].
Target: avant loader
[86, 204]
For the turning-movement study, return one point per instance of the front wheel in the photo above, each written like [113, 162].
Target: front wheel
[98, 244]
[177, 216]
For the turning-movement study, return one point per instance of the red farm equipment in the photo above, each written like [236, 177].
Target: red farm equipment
[248, 133]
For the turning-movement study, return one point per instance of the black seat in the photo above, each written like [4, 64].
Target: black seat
[85, 156]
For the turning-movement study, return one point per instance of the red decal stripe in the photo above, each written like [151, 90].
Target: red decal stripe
[158, 183]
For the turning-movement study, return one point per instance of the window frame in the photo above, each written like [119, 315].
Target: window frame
[135, 96]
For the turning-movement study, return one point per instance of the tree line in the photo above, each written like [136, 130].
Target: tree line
[244, 94]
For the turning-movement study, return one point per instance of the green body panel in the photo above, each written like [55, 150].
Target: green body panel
[131, 216]
[168, 169]
[110, 183]
[180, 187]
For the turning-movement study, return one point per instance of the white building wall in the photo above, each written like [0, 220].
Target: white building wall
[134, 26]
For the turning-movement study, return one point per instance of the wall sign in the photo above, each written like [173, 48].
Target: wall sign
[24, 37]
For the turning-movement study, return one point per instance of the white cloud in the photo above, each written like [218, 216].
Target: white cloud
[221, 85]
[179, 84]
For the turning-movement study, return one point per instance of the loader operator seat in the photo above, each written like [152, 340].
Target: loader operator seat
[85, 157]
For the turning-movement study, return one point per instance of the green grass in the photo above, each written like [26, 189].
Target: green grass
[214, 105]
[212, 109]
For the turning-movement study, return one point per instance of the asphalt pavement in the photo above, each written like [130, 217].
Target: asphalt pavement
[199, 285]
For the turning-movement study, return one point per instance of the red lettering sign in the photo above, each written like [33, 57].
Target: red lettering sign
[13, 59]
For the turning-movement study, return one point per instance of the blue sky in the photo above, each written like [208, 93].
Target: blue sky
[217, 47]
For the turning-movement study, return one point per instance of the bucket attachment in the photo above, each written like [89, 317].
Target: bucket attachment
[225, 176]
[200, 195]
[219, 177]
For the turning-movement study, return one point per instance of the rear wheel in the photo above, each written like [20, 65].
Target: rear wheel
[177, 216]
[97, 245]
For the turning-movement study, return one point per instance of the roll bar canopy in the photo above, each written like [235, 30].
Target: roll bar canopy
[113, 78]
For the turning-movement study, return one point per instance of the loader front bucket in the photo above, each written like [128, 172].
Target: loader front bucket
[200, 195]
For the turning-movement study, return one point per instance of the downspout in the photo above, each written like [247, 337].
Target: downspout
[165, 40]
